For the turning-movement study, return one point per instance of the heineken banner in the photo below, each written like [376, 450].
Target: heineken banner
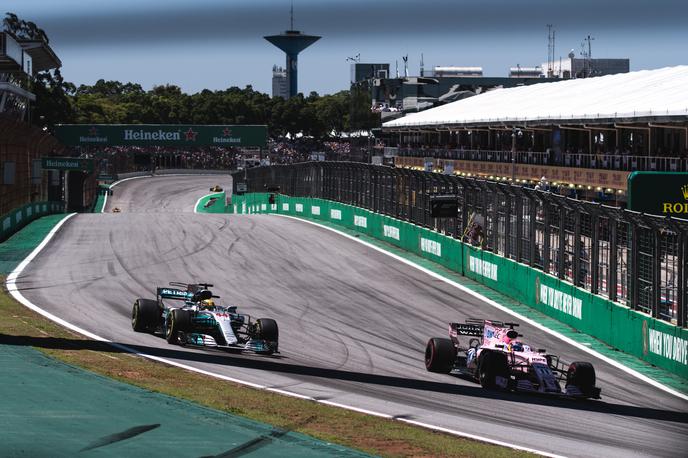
[67, 163]
[177, 135]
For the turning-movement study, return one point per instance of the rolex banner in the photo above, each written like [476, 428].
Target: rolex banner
[659, 193]
[176, 135]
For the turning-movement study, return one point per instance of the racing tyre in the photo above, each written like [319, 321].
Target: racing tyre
[492, 365]
[440, 355]
[178, 321]
[582, 375]
[145, 315]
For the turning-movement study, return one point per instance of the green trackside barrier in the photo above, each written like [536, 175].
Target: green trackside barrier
[654, 341]
[99, 202]
[218, 205]
[20, 217]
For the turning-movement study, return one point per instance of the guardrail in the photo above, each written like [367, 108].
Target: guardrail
[626, 257]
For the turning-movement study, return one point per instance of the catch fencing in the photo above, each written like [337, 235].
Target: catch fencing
[627, 257]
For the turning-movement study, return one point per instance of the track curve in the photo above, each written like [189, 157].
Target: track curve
[353, 322]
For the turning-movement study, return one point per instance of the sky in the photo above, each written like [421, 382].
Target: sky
[216, 44]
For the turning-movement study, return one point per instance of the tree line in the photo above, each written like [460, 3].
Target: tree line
[128, 103]
[113, 102]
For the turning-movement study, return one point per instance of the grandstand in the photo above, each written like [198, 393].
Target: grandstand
[583, 136]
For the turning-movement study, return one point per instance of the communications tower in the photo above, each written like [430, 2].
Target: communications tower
[292, 42]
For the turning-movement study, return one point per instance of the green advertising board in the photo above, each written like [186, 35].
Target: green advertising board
[67, 163]
[659, 193]
[178, 135]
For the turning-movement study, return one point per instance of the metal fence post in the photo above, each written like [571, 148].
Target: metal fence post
[561, 265]
[612, 278]
[656, 271]
[575, 268]
[595, 254]
[682, 291]
[633, 261]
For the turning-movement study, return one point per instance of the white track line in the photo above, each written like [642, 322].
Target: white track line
[499, 306]
[14, 291]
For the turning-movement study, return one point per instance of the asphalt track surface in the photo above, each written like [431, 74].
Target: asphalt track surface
[353, 322]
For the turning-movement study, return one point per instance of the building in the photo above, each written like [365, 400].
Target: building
[525, 72]
[587, 143]
[366, 71]
[395, 96]
[574, 67]
[280, 87]
[457, 72]
[22, 182]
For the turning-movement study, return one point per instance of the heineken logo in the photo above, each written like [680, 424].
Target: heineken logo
[65, 163]
[227, 137]
[92, 137]
[191, 135]
[131, 135]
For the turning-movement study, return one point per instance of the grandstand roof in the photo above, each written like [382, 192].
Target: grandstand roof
[635, 96]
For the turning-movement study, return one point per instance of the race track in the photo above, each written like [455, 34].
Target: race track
[353, 322]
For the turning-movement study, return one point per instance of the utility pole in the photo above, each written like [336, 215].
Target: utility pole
[550, 51]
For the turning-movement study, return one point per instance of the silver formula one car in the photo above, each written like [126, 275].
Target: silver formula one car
[197, 320]
[491, 353]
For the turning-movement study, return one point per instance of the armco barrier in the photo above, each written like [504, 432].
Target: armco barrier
[20, 217]
[640, 335]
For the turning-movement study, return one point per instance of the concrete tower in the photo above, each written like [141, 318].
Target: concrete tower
[292, 42]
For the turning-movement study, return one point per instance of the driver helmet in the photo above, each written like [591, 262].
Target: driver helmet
[207, 304]
[516, 345]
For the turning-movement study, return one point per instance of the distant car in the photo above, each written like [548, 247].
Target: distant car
[216, 188]
[491, 353]
[198, 321]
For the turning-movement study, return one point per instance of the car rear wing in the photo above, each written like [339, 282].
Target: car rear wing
[465, 329]
[476, 327]
[172, 293]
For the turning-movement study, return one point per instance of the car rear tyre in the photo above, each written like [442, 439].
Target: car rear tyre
[582, 375]
[490, 366]
[440, 355]
[145, 315]
[178, 321]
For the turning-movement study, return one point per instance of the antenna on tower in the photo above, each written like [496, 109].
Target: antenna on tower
[550, 51]
[291, 15]
[421, 65]
[587, 55]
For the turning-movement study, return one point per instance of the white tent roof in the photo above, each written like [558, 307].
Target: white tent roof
[643, 94]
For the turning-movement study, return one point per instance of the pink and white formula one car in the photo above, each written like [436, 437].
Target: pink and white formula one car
[490, 352]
